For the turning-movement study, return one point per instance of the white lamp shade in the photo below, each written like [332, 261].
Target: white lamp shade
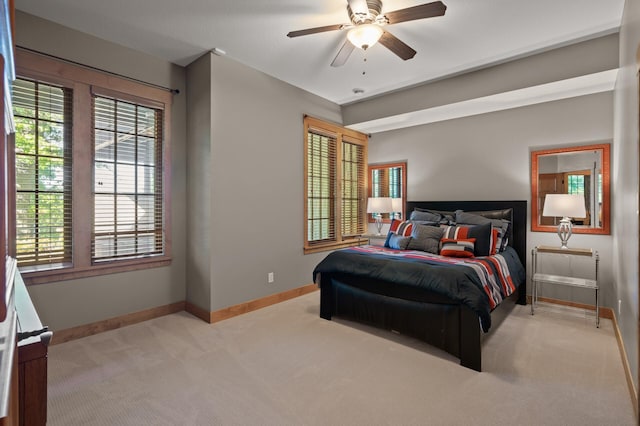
[365, 35]
[396, 204]
[564, 205]
[379, 205]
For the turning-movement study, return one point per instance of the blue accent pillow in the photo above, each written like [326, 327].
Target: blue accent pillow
[398, 242]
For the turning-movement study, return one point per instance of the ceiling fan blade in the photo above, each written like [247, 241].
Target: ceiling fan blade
[359, 6]
[343, 54]
[429, 10]
[315, 30]
[397, 46]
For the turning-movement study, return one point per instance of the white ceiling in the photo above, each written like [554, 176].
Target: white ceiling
[471, 34]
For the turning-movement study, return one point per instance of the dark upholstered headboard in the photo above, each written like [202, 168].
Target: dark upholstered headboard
[518, 237]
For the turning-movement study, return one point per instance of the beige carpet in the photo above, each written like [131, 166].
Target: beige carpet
[283, 365]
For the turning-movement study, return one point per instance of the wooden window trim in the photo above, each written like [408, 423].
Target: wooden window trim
[68, 273]
[350, 136]
[83, 82]
[112, 232]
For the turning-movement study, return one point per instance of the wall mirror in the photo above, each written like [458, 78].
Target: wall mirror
[389, 180]
[580, 170]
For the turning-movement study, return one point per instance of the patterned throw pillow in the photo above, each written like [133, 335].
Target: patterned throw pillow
[495, 240]
[457, 248]
[503, 235]
[481, 233]
[399, 227]
[501, 225]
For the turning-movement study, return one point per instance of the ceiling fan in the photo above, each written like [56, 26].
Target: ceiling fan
[366, 27]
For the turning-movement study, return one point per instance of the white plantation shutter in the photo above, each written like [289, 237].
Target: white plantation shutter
[127, 190]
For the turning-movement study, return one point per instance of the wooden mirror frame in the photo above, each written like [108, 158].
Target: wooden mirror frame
[403, 166]
[606, 198]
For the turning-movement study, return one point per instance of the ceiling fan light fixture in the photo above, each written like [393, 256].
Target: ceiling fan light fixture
[365, 35]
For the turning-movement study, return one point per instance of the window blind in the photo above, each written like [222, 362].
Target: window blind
[43, 117]
[353, 189]
[128, 207]
[321, 171]
[395, 182]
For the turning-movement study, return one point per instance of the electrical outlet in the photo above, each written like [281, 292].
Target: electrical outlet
[270, 277]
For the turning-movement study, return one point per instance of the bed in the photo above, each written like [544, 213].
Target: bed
[434, 300]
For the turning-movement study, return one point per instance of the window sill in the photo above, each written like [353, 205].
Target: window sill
[32, 277]
[336, 245]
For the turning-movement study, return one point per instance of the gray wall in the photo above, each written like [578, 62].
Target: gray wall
[255, 187]
[76, 302]
[625, 182]
[199, 224]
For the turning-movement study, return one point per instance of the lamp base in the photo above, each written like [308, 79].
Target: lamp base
[379, 224]
[564, 231]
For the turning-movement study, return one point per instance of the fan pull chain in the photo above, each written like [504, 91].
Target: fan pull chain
[364, 71]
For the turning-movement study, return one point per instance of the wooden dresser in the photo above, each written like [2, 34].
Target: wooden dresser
[25, 352]
[33, 343]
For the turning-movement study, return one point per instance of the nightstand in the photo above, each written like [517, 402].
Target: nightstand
[538, 256]
[375, 239]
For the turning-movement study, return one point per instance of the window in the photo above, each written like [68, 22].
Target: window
[335, 182]
[579, 183]
[127, 194]
[576, 184]
[43, 221]
[90, 172]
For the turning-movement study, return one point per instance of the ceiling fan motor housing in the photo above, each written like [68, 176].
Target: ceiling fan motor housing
[375, 7]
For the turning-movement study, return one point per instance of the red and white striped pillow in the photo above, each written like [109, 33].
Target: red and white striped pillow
[457, 248]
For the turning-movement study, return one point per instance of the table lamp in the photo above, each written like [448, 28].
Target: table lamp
[396, 207]
[377, 206]
[565, 206]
